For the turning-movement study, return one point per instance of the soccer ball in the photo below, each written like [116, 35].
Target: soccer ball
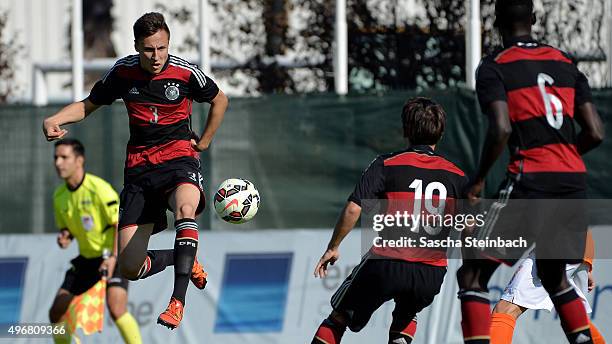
[236, 200]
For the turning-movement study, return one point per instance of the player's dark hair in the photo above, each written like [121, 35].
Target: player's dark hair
[508, 12]
[423, 121]
[149, 24]
[77, 146]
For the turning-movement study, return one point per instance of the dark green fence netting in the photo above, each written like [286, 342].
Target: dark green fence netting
[304, 153]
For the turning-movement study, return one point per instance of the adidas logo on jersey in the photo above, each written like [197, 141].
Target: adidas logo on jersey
[582, 338]
[134, 90]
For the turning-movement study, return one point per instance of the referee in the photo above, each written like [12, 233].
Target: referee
[86, 208]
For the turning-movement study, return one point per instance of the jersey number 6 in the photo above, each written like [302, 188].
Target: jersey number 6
[554, 117]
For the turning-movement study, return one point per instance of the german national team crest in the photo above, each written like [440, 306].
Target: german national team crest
[172, 91]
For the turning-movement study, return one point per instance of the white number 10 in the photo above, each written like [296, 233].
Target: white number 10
[417, 185]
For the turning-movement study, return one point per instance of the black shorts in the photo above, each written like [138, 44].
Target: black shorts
[84, 274]
[144, 198]
[373, 282]
[556, 223]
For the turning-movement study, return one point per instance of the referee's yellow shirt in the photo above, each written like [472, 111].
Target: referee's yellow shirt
[90, 213]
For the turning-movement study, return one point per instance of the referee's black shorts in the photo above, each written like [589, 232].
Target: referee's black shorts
[375, 281]
[84, 274]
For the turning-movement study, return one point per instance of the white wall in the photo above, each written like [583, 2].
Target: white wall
[40, 27]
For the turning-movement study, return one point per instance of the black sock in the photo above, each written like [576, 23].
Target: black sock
[185, 249]
[156, 261]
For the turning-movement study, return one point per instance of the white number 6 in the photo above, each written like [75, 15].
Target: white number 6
[554, 119]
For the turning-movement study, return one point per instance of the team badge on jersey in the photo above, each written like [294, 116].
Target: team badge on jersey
[87, 222]
[172, 91]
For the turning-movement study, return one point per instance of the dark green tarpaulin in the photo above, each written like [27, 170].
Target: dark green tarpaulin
[304, 153]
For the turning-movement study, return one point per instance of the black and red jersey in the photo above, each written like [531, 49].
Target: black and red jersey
[401, 177]
[159, 107]
[542, 87]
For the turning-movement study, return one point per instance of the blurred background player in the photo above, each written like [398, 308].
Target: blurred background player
[525, 291]
[86, 208]
[532, 93]
[412, 278]
[162, 168]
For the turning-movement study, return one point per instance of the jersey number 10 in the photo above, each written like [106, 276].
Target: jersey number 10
[417, 185]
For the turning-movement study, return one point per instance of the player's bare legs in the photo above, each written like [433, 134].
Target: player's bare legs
[184, 202]
[509, 308]
[331, 329]
[58, 309]
[133, 243]
[116, 301]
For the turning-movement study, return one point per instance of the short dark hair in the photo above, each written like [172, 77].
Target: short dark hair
[77, 146]
[513, 11]
[149, 24]
[423, 121]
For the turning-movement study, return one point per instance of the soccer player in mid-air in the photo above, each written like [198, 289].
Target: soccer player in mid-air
[533, 96]
[411, 277]
[162, 167]
[87, 209]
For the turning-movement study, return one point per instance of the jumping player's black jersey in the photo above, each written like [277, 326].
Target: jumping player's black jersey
[542, 87]
[159, 107]
[413, 175]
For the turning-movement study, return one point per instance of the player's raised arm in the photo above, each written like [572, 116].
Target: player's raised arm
[72, 113]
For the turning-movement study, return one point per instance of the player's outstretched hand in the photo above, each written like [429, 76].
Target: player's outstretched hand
[53, 131]
[591, 281]
[329, 257]
[64, 238]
